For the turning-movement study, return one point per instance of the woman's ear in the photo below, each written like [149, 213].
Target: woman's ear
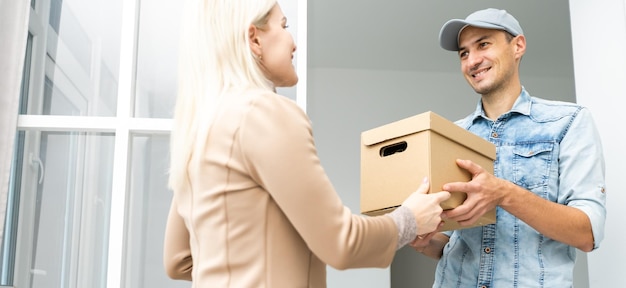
[255, 44]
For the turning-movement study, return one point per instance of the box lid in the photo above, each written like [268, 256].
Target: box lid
[428, 121]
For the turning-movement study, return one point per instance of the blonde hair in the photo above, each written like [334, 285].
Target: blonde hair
[214, 57]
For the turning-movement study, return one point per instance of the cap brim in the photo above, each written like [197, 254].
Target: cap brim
[449, 33]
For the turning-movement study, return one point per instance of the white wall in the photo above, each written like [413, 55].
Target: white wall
[599, 38]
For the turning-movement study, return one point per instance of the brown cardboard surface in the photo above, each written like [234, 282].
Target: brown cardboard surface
[397, 156]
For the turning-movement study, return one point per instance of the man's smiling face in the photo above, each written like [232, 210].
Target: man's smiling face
[488, 59]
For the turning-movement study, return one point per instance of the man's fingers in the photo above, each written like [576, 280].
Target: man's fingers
[455, 186]
[469, 165]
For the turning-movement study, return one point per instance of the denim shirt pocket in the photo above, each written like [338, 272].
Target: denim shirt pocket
[531, 164]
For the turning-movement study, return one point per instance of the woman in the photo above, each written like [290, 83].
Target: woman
[252, 205]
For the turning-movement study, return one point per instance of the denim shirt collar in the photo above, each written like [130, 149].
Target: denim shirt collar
[521, 106]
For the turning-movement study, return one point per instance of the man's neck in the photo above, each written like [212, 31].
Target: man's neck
[499, 102]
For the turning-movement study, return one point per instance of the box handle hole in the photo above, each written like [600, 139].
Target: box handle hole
[393, 149]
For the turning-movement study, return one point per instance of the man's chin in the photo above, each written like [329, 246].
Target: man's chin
[482, 89]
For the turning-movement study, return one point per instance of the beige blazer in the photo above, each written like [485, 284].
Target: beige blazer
[261, 211]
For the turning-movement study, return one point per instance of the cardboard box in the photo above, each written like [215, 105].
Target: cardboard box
[396, 157]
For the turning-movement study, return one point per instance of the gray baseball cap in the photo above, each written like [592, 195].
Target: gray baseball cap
[489, 18]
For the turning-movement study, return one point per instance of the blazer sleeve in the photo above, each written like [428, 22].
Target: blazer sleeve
[177, 258]
[279, 151]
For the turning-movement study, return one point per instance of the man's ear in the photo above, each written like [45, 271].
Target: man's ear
[255, 44]
[520, 46]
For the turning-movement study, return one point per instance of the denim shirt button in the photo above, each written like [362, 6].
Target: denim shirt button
[483, 286]
[494, 135]
[487, 250]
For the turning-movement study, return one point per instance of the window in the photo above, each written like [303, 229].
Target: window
[73, 171]
[88, 196]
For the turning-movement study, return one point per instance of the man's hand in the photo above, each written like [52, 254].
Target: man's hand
[484, 192]
[422, 241]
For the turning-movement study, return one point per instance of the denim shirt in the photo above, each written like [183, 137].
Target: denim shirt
[552, 149]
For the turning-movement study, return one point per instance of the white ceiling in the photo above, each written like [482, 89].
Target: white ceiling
[403, 34]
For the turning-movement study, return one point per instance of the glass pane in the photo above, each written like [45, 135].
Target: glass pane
[81, 56]
[66, 180]
[157, 58]
[157, 55]
[290, 9]
[26, 75]
[9, 234]
[149, 204]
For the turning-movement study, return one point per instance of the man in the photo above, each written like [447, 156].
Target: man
[548, 186]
